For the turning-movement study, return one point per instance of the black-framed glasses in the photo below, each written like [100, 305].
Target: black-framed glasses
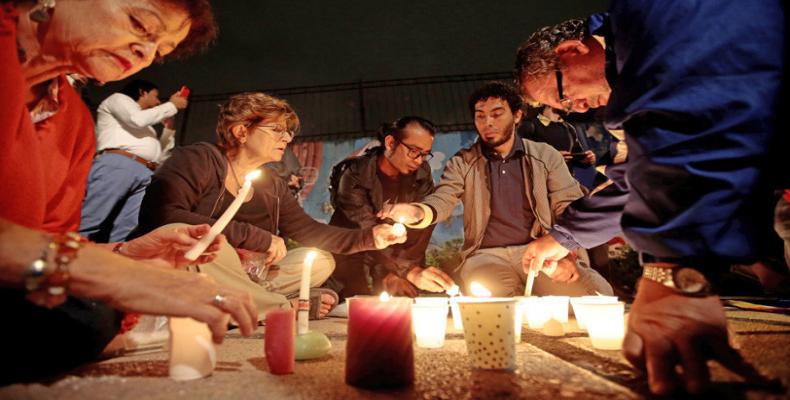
[566, 103]
[279, 132]
[415, 153]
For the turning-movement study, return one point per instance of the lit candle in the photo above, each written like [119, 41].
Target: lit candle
[223, 220]
[606, 325]
[537, 314]
[304, 294]
[379, 349]
[489, 329]
[279, 341]
[192, 353]
[429, 319]
[558, 307]
[579, 305]
[398, 229]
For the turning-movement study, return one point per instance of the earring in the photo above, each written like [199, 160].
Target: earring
[41, 12]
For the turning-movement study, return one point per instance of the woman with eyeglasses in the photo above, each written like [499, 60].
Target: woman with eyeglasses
[200, 181]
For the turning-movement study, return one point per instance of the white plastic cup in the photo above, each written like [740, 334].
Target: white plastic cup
[579, 305]
[606, 325]
[489, 331]
[558, 307]
[536, 313]
[429, 320]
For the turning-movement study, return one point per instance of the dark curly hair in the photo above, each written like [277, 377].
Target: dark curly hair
[536, 56]
[497, 90]
[396, 128]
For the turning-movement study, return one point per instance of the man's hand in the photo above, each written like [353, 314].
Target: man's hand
[397, 286]
[179, 101]
[383, 236]
[589, 158]
[276, 251]
[166, 246]
[409, 214]
[431, 279]
[566, 271]
[667, 329]
[544, 250]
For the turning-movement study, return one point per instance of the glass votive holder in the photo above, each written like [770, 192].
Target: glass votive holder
[557, 307]
[606, 325]
[536, 313]
[429, 320]
[579, 306]
[489, 330]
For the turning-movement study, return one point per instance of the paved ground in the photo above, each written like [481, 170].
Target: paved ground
[553, 368]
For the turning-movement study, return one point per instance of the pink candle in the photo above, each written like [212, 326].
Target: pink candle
[379, 350]
[279, 341]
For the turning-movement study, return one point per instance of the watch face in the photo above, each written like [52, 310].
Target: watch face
[690, 280]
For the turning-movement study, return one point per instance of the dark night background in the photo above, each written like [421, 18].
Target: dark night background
[280, 44]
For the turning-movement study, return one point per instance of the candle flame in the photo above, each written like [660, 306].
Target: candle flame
[401, 219]
[253, 175]
[310, 257]
[479, 290]
[453, 291]
[384, 296]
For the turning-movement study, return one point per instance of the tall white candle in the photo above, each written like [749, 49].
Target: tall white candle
[304, 294]
[223, 220]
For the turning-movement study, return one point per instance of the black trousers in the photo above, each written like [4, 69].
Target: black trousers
[39, 343]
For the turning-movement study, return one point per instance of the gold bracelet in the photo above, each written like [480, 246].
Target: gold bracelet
[50, 288]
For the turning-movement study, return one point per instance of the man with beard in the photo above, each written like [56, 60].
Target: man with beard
[512, 189]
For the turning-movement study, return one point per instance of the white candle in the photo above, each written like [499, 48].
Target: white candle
[606, 325]
[429, 319]
[304, 294]
[398, 229]
[223, 220]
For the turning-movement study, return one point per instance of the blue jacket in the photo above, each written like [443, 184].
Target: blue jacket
[695, 85]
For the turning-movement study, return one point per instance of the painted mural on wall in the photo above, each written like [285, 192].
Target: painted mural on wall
[317, 159]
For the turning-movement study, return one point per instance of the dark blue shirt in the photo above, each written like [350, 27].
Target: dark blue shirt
[511, 216]
[695, 85]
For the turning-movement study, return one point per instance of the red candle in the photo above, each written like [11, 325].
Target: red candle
[279, 341]
[379, 350]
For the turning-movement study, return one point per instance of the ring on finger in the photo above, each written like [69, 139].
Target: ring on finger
[219, 300]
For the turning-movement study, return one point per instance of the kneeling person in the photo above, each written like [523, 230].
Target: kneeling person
[512, 190]
[394, 172]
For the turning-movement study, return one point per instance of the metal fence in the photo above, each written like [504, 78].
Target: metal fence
[357, 108]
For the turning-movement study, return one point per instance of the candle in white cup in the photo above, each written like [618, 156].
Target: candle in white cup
[429, 320]
[536, 312]
[579, 305]
[558, 307]
[223, 220]
[304, 294]
[606, 325]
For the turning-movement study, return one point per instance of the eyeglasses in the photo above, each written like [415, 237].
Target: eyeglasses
[279, 132]
[566, 103]
[415, 153]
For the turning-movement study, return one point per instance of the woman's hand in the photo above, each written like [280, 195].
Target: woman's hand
[276, 251]
[166, 246]
[383, 236]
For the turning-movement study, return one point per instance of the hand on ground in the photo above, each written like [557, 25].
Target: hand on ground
[431, 279]
[397, 286]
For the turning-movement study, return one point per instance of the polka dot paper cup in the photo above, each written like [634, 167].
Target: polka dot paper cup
[489, 330]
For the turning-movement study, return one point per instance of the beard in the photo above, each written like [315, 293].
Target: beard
[499, 141]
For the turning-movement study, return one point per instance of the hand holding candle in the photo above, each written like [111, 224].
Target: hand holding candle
[384, 235]
[223, 220]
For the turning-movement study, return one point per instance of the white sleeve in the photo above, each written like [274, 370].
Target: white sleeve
[128, 112]
[167, 141]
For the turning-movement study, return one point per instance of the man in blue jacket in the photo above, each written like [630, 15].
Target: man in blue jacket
[695, 85]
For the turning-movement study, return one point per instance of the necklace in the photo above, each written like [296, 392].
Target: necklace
[235, 178]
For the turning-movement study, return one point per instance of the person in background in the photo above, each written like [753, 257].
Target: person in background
[394, 172]
[129, 150]
[512, 189]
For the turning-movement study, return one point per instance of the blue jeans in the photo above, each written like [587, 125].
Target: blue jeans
[116, 186]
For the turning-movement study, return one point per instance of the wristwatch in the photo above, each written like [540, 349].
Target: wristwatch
[683, 280]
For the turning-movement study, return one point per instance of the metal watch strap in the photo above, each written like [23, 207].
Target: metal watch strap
[660, 273]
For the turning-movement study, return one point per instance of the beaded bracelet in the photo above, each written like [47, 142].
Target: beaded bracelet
[47, 287]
